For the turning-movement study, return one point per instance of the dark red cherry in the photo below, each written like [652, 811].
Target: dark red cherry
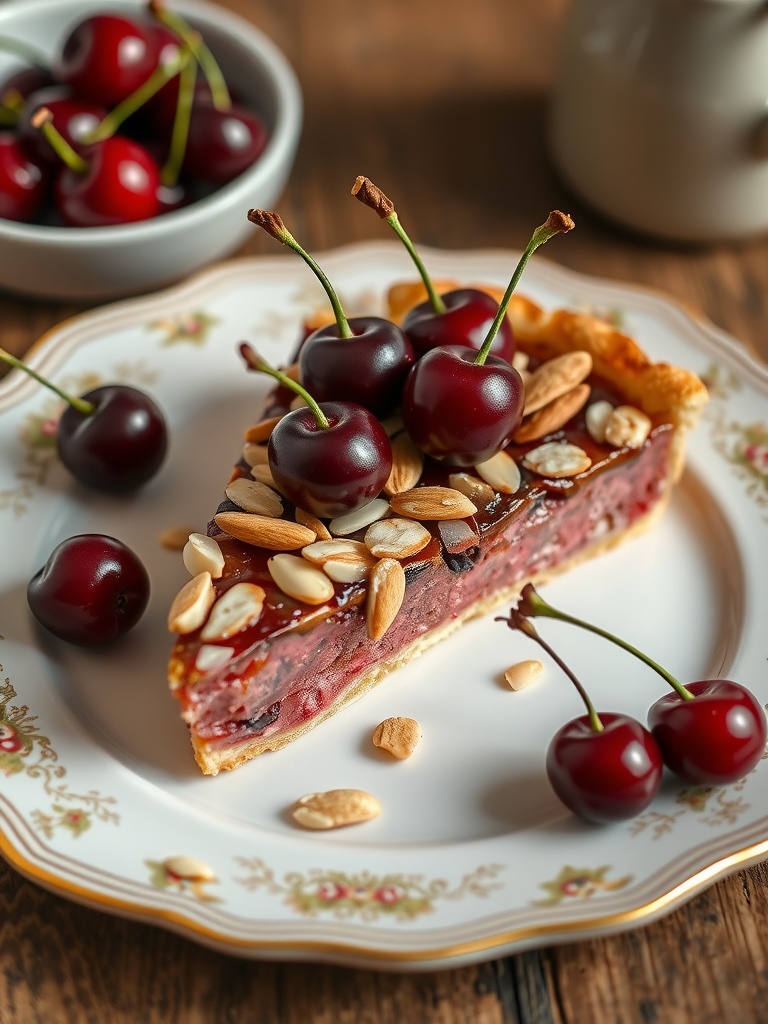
[118, 446]
[460, 412]
[368, 368]
[23, 182]
[713, 739]
[107, 57]
[467, 319]
[608, 775]
[26, 81]
[223, 143]
[74, 120]
[91, 591]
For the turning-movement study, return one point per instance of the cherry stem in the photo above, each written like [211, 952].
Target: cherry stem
[557, 223]
[202, 54]
[272, 223]
[255, 362]
[517, 620]
[27, 53]
[81, 404]
[531, 603]
[371, 195]
[171, 170]
[11, 104]
[43, 120]
[159, 77]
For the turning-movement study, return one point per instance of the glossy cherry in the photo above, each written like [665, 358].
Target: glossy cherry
[106, 57]
[25, 82]
[23, 182]
[75, 120]
[328, 458]
[113, 438]
[361, 359]
[91, 591]
[223, 143]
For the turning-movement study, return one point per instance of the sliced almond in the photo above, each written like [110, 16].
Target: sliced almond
[557, 459]
[457, 536]
[261, 431]
[335, 808]
[407, 465]
[501, 472]
[175, 537]
[300, 580]
[555, 377]
[312, 523]
[239, 607]
[264, 531]
[398, 736]
[386, 590]
[202, 554]
[255, 454]
[627, 427]
[478, 491]
[263, 474]
[189, 868]
[396, 538]
[596, 418]
[254, 496]
[433, 503]
[189, 609]
[343, 560]
[520, 361]
[552, 416]
[351, 522]
[523, 673]
[212, 656]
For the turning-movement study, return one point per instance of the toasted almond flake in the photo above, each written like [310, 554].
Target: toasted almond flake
[263, 474]
[396, 538]
[520, 361]
[335, 808]
[523, 673]
[175, 537]
[342, 560]
[557, 459]
[189, 868]
[312, 523]
[189, 609]
[210, 657]
[457, 536]
[478, 491]
[254, 496]
[261, 431]
[407, 465]
[351, 522]
[255, 454]
[203, 554]
[239, 607]
[264, 531]
[300, 580]
[552, 416]
[627, 427]
[501, 472]
[398, 736]
[386, 590]
[596, 417]
[432, 503]
[555, 377]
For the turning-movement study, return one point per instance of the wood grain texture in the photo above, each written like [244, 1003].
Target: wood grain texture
[444, 106]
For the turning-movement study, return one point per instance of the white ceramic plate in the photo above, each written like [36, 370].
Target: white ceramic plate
[473, 857]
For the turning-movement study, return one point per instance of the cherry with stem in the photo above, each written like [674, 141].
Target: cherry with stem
[603, 767]
[194, 41]
[710, 732]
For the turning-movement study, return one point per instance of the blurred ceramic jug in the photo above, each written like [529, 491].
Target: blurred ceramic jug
[660, 114]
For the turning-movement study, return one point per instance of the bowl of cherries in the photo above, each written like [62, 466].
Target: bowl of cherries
[133, 133]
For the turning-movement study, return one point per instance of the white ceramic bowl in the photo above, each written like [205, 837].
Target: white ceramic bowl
[104, 263]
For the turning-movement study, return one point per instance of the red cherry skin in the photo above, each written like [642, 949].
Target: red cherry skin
[23, 182]
[120, 186]
[222, 144]
[330, 471]
[604, 776]
[118, 447]
[27, 81]
[73, 118]
[458, 412]
[716, 738]
[91, 591]
[106, 58]
[469, 315]
[368, 369]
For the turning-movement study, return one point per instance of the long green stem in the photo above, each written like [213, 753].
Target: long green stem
[202, 54]
[169, 175]
[43, 120]
[531, 603]
[255, 362]
[82, 406]
[29, 54]
[272, 223]
[557, 223]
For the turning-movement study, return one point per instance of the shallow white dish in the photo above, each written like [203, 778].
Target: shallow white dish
[472, 857]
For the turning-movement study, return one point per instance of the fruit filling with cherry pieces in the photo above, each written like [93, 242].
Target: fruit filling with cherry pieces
[256, 665]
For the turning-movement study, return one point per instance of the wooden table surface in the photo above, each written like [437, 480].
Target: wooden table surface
[444, 105]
